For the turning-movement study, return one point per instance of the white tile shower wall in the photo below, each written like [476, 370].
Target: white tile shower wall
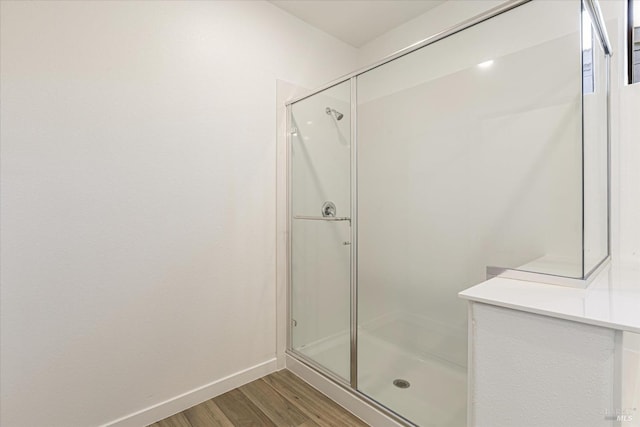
[500, 190]
[138, 198]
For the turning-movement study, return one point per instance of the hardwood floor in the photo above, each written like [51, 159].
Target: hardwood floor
[279, 399]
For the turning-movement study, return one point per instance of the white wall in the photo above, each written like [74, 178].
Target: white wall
[138, 198]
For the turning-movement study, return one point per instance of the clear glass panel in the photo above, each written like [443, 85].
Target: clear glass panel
[469, 155]
[320, 250]
[595, 89]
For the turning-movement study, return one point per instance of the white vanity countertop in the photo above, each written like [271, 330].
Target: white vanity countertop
[612, 300]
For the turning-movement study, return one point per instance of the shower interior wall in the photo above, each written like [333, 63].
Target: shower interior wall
[461, 168]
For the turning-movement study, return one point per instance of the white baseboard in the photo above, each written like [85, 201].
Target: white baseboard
[347, 400]
[193, 397]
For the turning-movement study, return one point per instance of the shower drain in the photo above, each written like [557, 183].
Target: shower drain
[400, 383]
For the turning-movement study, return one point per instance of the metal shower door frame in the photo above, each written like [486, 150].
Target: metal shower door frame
[353, 268]
[351, 386]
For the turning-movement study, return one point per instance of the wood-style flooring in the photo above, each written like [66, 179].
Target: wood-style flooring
[279, 399]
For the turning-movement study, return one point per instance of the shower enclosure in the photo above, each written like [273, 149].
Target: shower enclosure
[480, 151]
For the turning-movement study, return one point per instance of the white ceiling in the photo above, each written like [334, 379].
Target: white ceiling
[356, 22]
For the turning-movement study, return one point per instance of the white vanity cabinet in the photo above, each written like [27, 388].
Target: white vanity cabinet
[545, 355]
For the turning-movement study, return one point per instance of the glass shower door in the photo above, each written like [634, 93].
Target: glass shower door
[320, 203]
[469, 156]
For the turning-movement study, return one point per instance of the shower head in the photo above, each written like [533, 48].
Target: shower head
[337, 114]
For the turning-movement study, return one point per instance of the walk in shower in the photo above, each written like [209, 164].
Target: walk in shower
[480, 151]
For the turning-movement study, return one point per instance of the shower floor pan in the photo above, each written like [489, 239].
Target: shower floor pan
[437, 392]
